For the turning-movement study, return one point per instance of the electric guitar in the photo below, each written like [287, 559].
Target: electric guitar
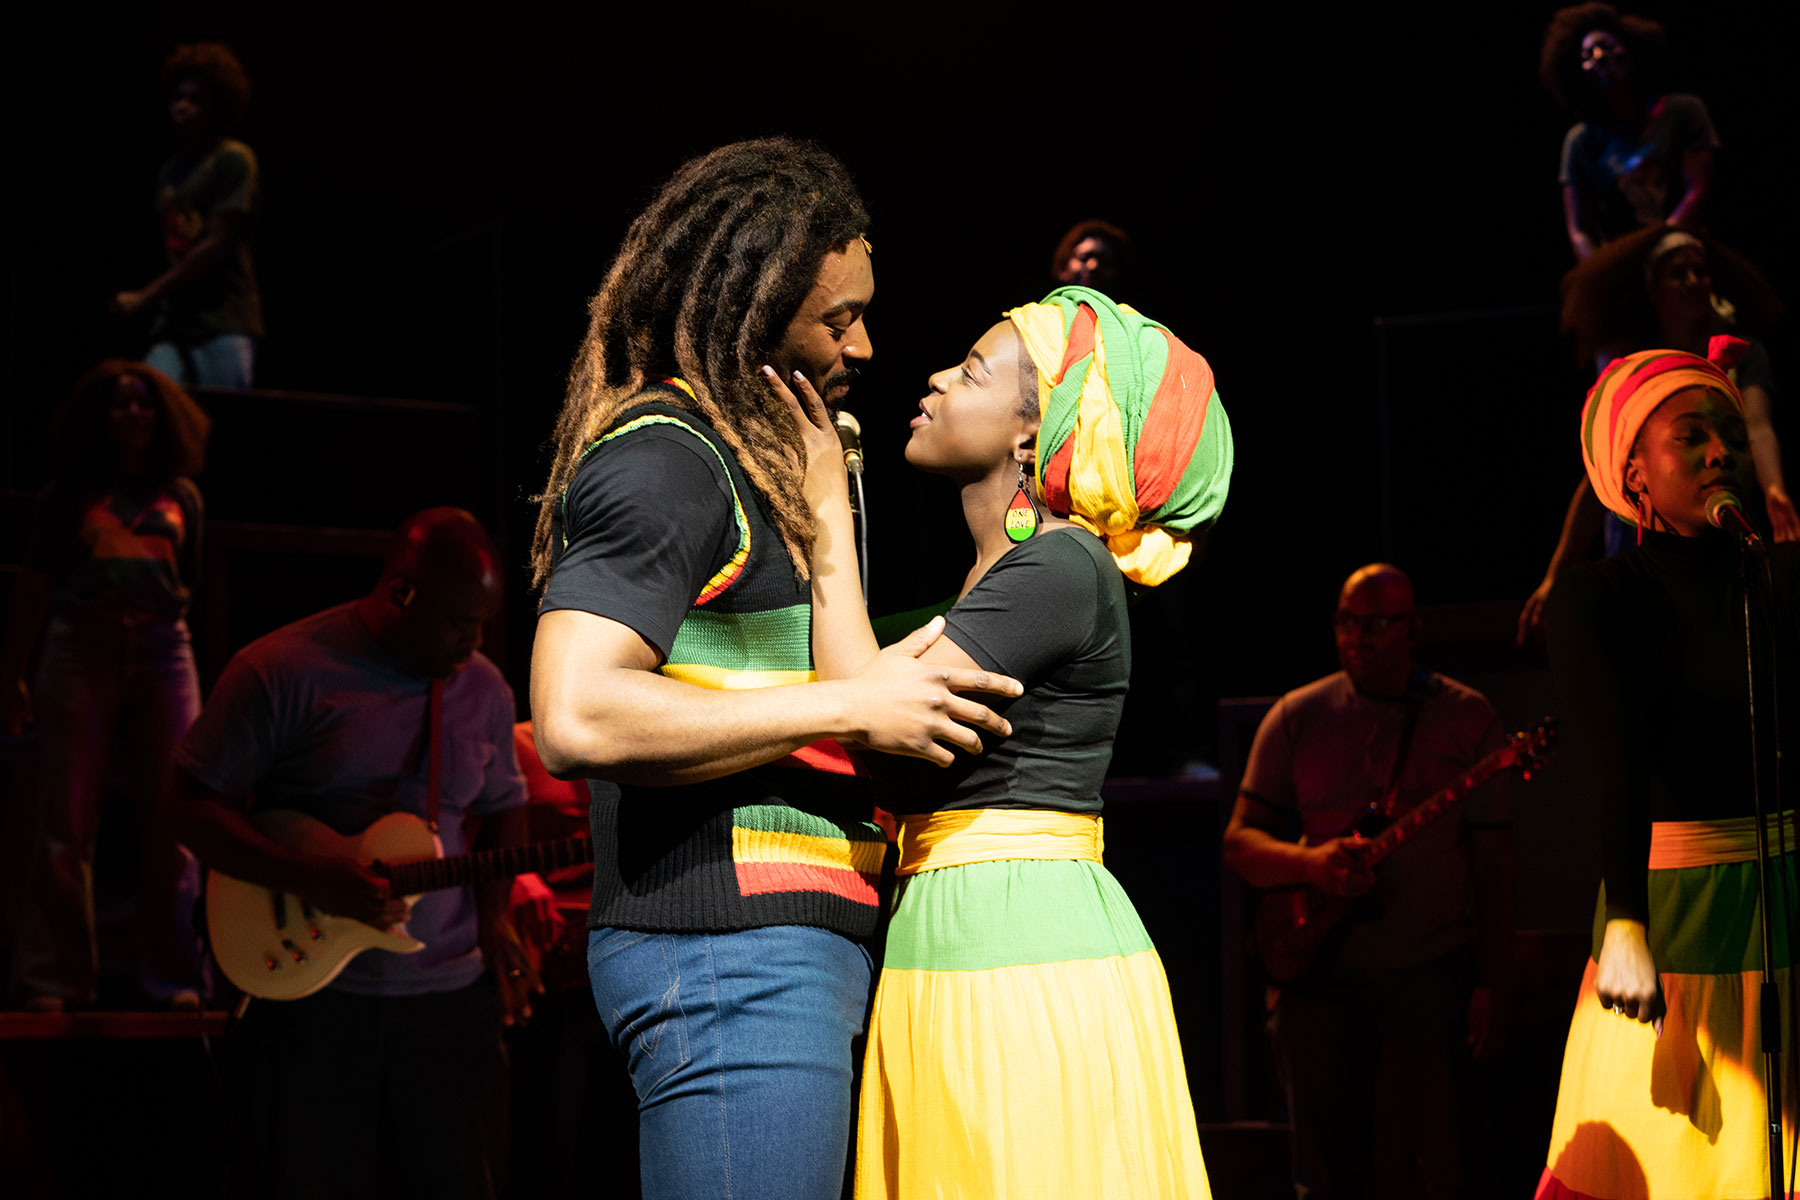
[276, 946]
[1294, 923]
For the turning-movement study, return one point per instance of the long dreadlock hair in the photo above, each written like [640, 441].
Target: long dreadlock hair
[704, 287]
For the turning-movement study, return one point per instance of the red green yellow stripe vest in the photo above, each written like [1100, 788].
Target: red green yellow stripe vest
[787, 843]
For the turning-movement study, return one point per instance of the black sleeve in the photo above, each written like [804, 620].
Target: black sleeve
[1755, 370]
[1587, 625]
[1032, 611]
[1692, 124]
[647, 521]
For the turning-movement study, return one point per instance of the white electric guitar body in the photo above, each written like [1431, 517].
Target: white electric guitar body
[275, 946]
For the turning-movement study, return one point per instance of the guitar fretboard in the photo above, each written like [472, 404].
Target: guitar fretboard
[432, 874]
[1522, 749]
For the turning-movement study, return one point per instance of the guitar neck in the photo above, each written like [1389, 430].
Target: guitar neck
[1406, 827]
[432, 874]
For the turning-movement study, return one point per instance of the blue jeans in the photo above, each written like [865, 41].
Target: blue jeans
[226, 361]
[113, 697]
[743, 1049]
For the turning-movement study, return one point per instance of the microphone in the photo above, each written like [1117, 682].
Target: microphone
[849, 431]
[1725, 511]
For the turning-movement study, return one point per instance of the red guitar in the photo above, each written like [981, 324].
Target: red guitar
[1294, 923]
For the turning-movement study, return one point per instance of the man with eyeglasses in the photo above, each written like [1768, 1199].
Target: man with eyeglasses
[1374, 1041]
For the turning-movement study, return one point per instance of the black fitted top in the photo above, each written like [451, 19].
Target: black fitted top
[1051, 613]
[1649, 658]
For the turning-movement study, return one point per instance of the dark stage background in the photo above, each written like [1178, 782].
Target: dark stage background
[444, 186]
[1355, 218]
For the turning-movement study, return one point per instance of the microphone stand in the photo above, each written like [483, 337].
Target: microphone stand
[859, 510]
[1769, 1006]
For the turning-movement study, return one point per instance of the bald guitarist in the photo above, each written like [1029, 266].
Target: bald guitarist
[381, 706]
[1369, 1039]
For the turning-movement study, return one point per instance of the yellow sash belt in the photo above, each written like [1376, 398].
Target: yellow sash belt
[1677, 844]
[929, 841]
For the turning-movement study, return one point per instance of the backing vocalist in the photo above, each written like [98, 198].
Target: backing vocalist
[1662, 1079]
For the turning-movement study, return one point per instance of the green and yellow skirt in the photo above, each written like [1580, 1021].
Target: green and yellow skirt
[1022, 1041]
[1683, 1115]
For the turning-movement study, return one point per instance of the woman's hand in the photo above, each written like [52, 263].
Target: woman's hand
[1626, 980]
[1784, 521]
[1487, 1023]
[826, 481]
[1531, 617]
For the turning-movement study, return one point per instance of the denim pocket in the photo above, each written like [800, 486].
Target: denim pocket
[637, 987]
[604, 943]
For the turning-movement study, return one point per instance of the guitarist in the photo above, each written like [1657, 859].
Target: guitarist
[1368, 1040]
[396, 1068]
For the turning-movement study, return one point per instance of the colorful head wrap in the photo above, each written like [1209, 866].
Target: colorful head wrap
[1133, 443]
[1625, 395]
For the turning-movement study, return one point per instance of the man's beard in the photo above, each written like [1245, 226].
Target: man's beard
[844, 377]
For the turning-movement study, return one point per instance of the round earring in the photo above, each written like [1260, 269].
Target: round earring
[1022, 513]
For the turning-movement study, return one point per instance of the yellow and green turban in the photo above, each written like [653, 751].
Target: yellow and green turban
[1133, 442]
[1625, 395]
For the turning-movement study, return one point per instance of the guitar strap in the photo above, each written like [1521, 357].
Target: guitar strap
[1416, 690]
[434, 754]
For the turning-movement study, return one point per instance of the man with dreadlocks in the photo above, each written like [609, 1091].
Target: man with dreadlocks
[736, 863]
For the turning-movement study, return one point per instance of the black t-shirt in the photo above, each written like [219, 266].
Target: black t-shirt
[661, 531]
[1648, 652]
[655, 521]
[1051, 613]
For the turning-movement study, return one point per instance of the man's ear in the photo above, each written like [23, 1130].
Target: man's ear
[401, 591]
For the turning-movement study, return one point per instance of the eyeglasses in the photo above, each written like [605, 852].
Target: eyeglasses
[1370, 624]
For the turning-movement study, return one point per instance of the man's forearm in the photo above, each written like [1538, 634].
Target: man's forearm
[1263, 860]
[221, 836]
[642, 727]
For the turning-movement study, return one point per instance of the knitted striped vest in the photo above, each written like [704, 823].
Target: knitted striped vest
[790, 843]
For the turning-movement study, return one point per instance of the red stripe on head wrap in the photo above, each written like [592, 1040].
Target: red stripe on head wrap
[1172, 427]
[1723, 350]
[1677, 360]
[1081, 341]
[1056, 477]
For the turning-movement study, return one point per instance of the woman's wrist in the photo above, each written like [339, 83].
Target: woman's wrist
[1626, 928]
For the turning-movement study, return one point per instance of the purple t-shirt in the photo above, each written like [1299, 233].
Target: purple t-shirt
[1325, 751]
[317, 718]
